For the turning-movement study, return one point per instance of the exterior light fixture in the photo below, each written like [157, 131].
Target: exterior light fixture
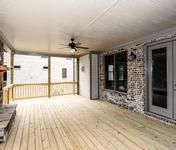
[132, 56]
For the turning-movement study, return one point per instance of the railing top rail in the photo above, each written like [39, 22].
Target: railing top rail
[8, 86]
[26, 84]
[64, 82]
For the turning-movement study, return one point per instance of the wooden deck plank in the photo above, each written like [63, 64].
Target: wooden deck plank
[130, 131]
[38, 140]
[137, 119]
[85, 141]
[71, 132]
[74, 122]
[63, 142]
[125, 142]
[147, 135]
[50, 133]
[44, 136]
[24, 141]
[31, 138]
[97, 127]
[90, 127]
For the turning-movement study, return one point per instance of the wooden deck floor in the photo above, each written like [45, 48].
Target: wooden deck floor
[73, 122]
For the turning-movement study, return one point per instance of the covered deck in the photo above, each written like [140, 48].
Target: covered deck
[74, 122]
[119, 51]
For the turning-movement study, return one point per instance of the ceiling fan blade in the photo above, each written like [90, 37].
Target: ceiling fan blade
[82, 47]
[63, 47]
[63, 44]
[76, 49]
[77, 52]
[83, 50]
[78, 43]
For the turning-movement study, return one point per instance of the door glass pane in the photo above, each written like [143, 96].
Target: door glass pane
[121, 71]
[159, 77]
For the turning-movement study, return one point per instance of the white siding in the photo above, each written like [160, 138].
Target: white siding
[57, 64]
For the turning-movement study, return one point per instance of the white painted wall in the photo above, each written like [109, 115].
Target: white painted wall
[84, 77]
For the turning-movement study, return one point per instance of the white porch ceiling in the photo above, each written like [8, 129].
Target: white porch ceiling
[41, 25]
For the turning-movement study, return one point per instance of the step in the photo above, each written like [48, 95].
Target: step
[7, 115]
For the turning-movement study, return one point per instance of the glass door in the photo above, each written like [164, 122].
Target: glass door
[160, 79]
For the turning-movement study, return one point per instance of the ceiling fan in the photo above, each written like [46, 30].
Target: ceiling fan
[73, 46]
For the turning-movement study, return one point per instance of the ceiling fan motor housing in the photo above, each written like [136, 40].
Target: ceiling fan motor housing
[72, 45]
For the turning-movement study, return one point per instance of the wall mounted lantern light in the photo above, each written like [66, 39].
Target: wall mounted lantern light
[132, 56]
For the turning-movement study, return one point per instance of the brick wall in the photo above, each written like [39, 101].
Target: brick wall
[134, 98]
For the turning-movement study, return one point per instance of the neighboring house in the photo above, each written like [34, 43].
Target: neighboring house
[34, 69]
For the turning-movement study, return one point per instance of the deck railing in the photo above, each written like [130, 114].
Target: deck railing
[7, 94]
[65, 88]
[36, 90]
[33, 90]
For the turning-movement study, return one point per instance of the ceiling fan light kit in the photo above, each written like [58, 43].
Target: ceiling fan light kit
[72, 50]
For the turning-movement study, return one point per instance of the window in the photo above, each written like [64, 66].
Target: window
[17, 67]
[116, 72]
[64, 73]
[45, 67]
[121, 71]
[109, 72]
